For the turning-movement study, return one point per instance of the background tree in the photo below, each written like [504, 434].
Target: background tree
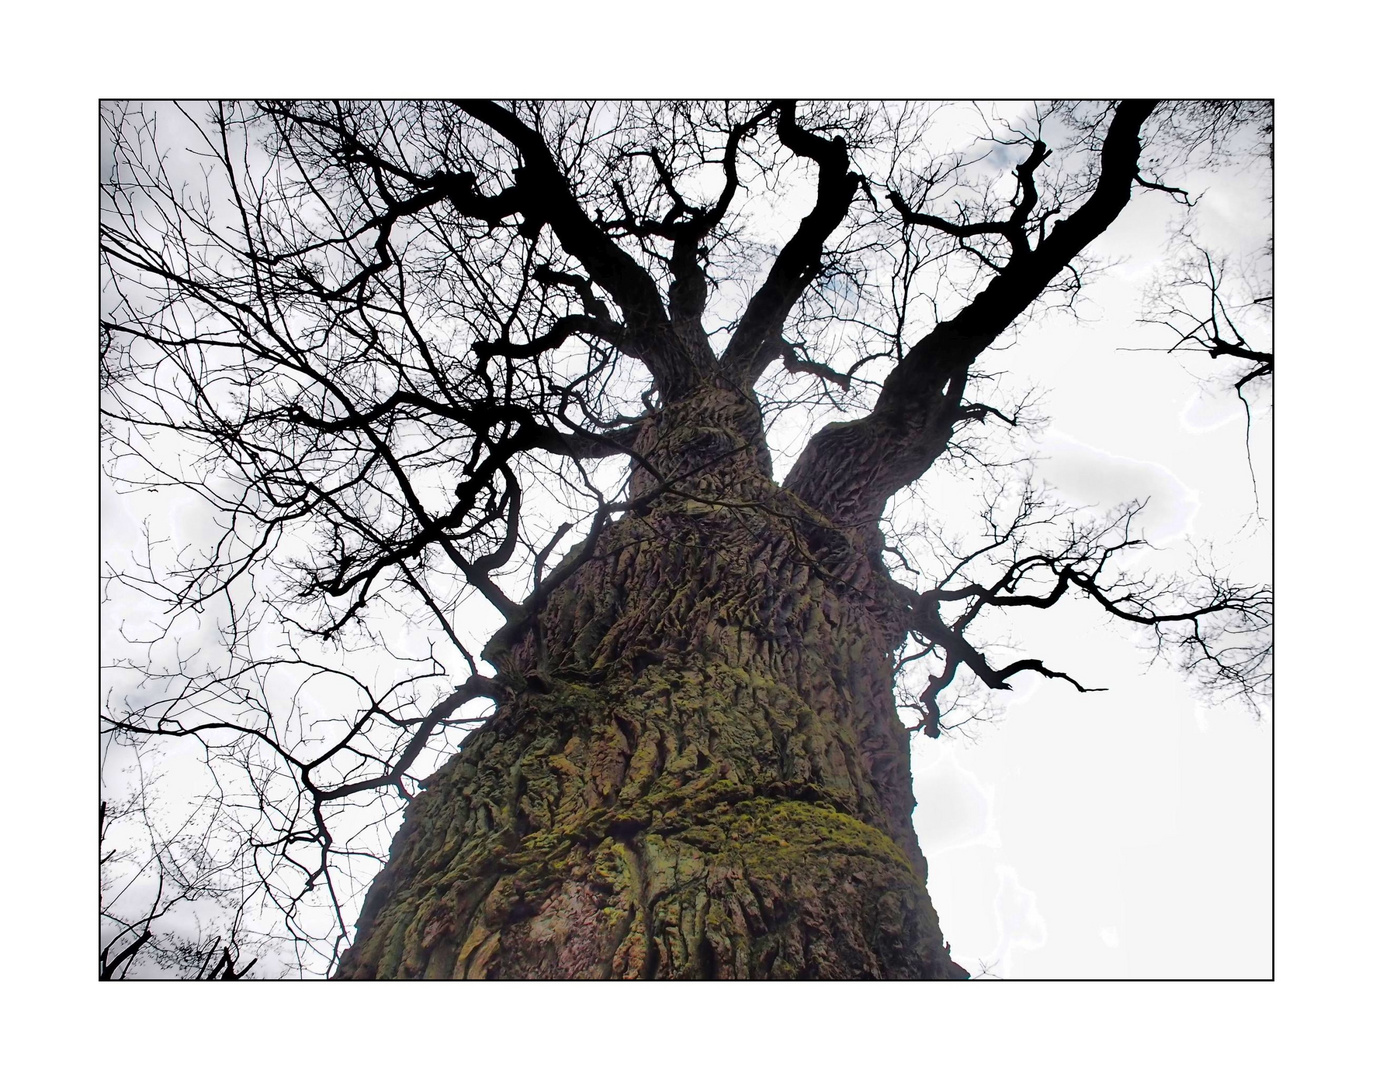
[412, 353]
[1215, 301]
[140, 896]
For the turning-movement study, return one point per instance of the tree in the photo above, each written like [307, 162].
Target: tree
[1221, 304]
[411, 354]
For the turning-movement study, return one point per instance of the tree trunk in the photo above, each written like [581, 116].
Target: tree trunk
[699, 772]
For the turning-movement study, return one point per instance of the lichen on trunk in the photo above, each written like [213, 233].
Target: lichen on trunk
[699, 772]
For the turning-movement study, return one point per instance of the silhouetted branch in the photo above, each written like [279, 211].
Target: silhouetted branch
[1217, 632]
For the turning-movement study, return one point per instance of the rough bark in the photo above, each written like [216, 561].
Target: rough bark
[700, 771]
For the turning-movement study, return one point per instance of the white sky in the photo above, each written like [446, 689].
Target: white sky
[1123, 834]
[1305, 1021]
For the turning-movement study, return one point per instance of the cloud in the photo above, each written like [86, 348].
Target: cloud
[1019, 923]
[1090, 476]
[954, 809]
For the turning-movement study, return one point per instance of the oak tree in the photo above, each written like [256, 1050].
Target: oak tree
[424, 360]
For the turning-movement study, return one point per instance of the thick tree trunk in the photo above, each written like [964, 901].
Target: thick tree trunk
[700, 773]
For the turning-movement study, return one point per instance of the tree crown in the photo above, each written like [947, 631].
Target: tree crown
[408, 353]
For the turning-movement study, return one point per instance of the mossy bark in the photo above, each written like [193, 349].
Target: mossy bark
[700, 772]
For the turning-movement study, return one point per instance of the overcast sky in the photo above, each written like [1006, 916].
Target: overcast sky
[1128, 833]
